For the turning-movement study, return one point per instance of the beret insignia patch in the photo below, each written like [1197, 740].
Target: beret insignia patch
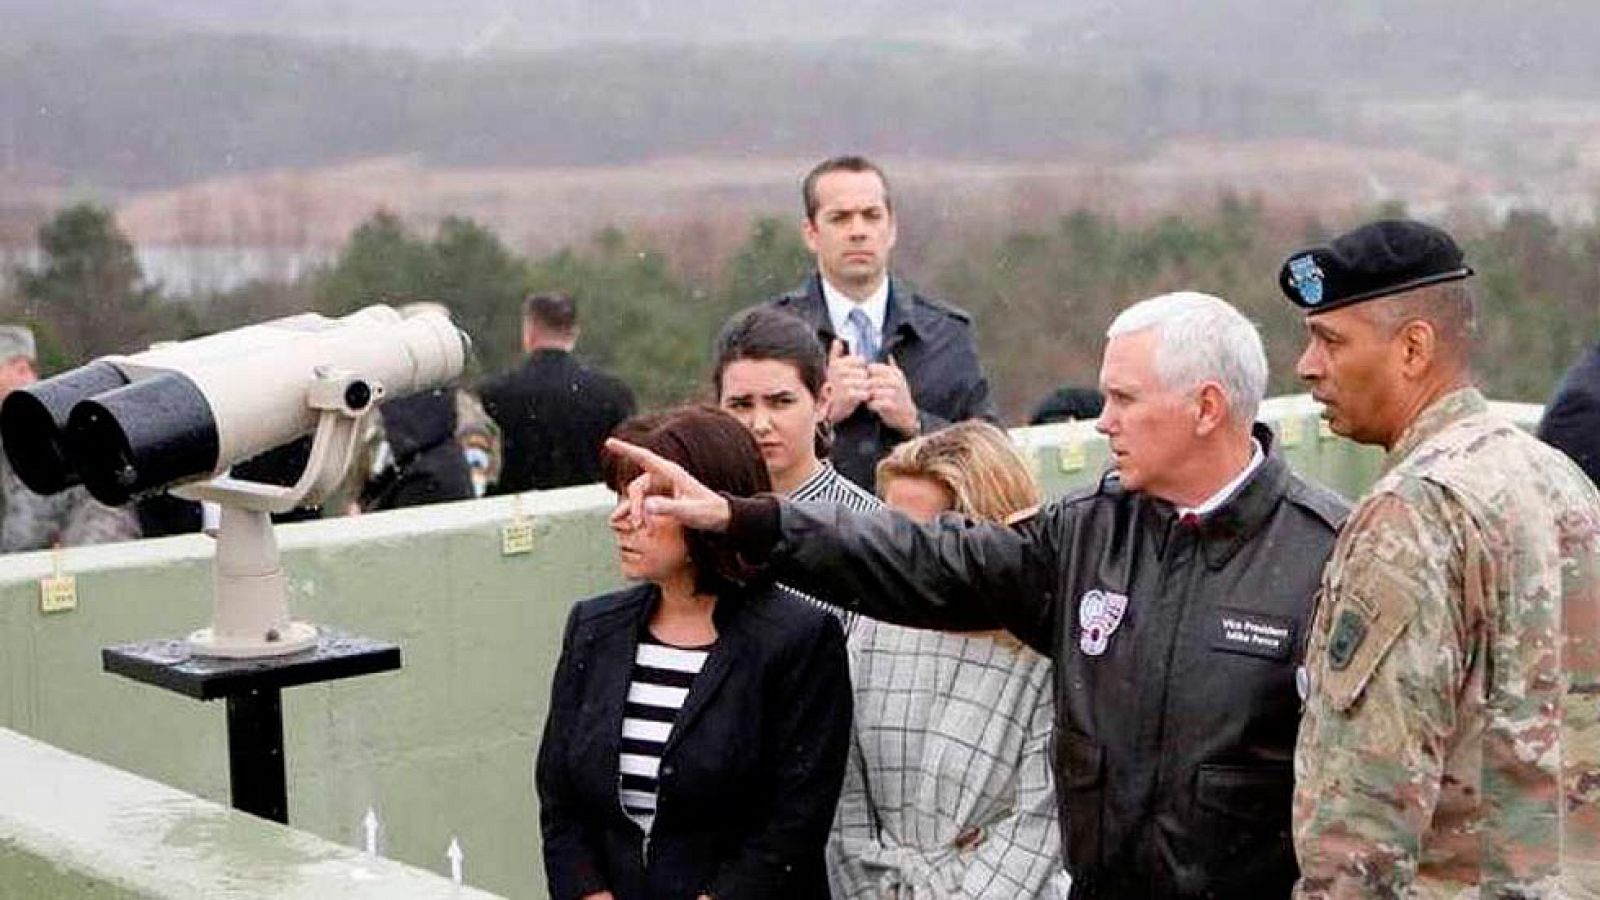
[1306, 278]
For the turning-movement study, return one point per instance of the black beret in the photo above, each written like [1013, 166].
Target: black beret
[1375, 260]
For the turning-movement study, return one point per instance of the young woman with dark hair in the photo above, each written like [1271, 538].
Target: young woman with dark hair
[699, 721]
[770, 373]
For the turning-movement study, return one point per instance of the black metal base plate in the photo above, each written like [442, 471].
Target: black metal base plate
[172, 664]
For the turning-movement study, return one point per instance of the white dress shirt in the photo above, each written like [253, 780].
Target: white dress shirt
[876, 306]
[1228, 490]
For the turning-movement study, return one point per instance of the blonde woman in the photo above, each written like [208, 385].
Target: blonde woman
[948, 790]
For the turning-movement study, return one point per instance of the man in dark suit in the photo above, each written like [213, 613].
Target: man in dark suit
[553, 411]
[900, 363]
[1571, 421]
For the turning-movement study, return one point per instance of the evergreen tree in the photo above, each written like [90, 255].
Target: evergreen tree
[773, 259]
[382, 263]
[88, 290]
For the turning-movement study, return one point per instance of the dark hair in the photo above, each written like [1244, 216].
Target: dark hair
[713, 447]
[765, 332]
[1068, 404]
[768, 333]
[557, 312]
[808, 188]
[1451, 309]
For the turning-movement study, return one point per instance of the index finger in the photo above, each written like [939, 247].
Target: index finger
[647, 460]
[637, 489]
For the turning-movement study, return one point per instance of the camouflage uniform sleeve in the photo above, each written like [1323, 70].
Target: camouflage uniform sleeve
[1387, 659]
[32, 521]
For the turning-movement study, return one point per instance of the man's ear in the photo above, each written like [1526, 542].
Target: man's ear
[1419, 347]
[808, 230]
[1212, 403]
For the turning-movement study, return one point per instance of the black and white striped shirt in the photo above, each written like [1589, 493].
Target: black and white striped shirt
[826, 485]
[662, 676]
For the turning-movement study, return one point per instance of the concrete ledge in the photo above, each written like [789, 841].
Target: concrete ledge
[70, 827]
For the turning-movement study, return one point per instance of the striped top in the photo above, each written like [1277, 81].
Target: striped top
[662, 676]
[826, 485]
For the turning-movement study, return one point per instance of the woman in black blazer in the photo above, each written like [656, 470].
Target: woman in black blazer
[699, 721]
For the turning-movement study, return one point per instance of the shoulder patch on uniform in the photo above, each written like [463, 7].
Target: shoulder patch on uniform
[1366, 623]
[1349, 629]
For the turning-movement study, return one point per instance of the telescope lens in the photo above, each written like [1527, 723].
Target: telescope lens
[33, 419]
[141, 438]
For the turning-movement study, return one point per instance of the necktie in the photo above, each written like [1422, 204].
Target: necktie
[1189, 520]
[865, 339]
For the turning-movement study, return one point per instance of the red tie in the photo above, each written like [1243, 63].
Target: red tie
[1189, 520]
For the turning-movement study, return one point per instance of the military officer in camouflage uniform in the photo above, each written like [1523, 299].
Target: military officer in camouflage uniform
[29, 521]
[1451, 739]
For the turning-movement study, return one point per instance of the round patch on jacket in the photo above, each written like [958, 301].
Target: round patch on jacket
[1099, 614]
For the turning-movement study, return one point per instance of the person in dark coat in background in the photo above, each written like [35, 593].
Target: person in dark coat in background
[424, 463]
[1571, 421]
[553, 411]
[699, 721]
[900, 363]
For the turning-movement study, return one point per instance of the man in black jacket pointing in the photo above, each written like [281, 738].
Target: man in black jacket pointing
[1174, 599]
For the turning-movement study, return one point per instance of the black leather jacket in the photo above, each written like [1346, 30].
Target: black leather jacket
[932, 343]
[1175, 652]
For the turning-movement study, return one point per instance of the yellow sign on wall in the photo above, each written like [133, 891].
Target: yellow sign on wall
[58, 594]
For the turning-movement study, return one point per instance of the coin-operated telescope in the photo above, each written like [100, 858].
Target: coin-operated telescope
[177, 416]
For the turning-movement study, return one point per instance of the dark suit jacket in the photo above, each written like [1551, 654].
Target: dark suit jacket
[749, 777]
[1571, 422]
[932, 343]
[554, 414]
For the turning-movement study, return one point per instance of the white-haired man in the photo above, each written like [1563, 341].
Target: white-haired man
[1174, 598]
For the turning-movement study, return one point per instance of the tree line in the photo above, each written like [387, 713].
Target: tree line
[1041, 297]
[103, 111]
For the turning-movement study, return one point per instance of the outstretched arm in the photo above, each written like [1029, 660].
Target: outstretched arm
[952, 574]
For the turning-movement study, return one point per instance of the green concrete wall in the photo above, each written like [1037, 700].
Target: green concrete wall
[443, 747]
[74, 829]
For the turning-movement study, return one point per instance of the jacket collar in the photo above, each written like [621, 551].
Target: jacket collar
[1440, 414]
[545, 355]
[903, 316]
[616, 639]
[1226, 530]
